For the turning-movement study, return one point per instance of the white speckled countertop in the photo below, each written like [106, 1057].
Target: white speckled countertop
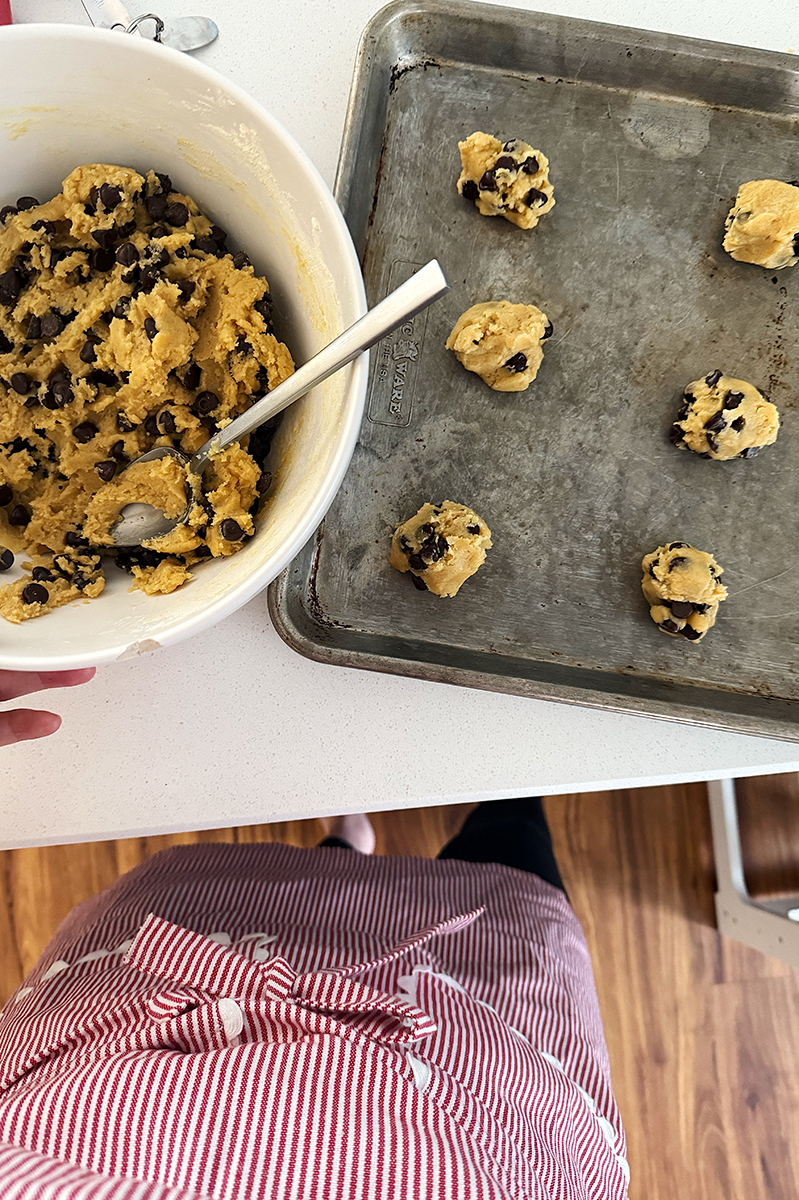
[233, 727]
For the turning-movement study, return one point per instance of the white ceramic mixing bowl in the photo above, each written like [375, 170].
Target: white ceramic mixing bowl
[70, 95]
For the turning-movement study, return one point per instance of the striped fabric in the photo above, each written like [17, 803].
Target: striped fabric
[267, 1023]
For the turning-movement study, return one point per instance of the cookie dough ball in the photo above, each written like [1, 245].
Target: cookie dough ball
[507, 180]
[442, 545]
[724, 418]
[681, 586]
[501, 342]
[763, 224]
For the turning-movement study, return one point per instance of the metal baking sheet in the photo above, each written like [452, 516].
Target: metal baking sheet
[649, 137]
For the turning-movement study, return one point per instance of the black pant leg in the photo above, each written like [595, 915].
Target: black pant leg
[511, 832]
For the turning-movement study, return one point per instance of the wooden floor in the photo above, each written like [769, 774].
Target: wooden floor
[703, 1033]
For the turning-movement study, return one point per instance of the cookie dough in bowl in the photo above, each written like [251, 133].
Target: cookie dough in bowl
[722, 418]
[68, 94]
[501, 342]
[125, 324]
[442, 545]
[682, 587]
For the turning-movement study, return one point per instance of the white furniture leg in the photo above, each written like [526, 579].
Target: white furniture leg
[771, 926]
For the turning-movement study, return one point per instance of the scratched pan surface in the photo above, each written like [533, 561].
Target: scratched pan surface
[649, 137]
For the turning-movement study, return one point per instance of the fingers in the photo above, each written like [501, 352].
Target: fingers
[23, 724]
[22, 683]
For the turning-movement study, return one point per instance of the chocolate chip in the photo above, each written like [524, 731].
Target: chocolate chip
[148, 280]
[5, 494]
[738, 424]
[670, 626]
[34, 329]
[530, 165]
[472, 528]
[218, 234]
[106, 377]
[150, 327]
[164, 181]
[469, 190]
[191, 379]
[750, 452]
[681, 608]
[106, 470]
[206, 244]
[52, 324]
[676, 435]
[488, 183]
[105, 238]
[42, 575]
[151, 426]
[75, 539]
[34, 593]
[712, 379]
[418, 583]
[182, 252]
[8, 210]
[50, 401]
[167, 422]
[88, 353]
[122, 307]
[712, 442]
[26, 202]
[241, 260]
[127, 254]
[692, 634]
[156, 207]
[716, 423]
[231, 530]
[535, 197]
[186, 288]
[264, 307]
[19, 515]
[207, 402]
[10, 286]
[506, 163]
[790, 182]
[517, 363]
[701, 608]
[425, 530]
[264, 483]
[84, 432]
[124, 424]
[549, 329]
[133, 276]
[6, 559]
[110, 196]
[677, 562]
[118, 452]
[733, 399]
[678, 545]
[159, 231]
[6, 346]
[21, 383]
[176, 214]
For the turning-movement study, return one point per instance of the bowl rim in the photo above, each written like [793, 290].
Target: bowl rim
[353, 402]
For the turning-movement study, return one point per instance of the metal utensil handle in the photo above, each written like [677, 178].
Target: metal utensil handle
[421, 289]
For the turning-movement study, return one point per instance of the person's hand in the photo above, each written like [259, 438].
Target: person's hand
[22, 724]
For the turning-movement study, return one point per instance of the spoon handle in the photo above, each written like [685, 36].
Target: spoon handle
[416, 293]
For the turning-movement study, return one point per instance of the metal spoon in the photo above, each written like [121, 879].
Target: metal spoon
[139, 522]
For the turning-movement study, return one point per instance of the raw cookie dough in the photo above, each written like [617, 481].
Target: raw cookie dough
[724, 418]
[763, 224]
[125, 323]
[501, 342]
[442, 545]
[681, 586]
[507, 180]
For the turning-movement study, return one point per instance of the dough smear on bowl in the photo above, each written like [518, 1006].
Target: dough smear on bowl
[125, 324]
